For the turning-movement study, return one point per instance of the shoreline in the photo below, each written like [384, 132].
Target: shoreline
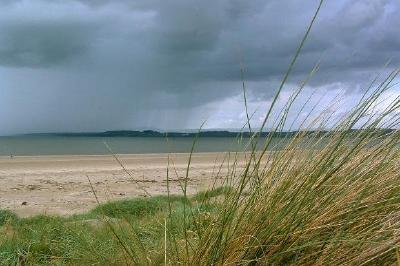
[58, 184]
[118, 154]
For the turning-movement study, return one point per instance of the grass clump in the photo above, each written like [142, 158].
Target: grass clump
[7, 216]
[209, 194]
[46, 240]
[137, 207]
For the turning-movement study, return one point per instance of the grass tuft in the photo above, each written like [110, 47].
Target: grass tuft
[7, 216]
[139, 207]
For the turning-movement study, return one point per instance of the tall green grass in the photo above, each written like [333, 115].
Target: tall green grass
[329, 197]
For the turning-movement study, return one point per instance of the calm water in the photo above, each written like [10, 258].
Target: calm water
[44, 145]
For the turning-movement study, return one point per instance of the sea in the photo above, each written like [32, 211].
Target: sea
[66, 145]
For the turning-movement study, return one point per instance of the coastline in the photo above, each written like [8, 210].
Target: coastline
[59, 184]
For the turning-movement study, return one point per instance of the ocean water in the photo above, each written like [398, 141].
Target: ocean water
[57, 145]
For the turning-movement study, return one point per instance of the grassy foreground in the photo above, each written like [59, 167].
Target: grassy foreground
[100, 236]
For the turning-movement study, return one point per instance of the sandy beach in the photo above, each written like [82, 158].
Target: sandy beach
[59, 185]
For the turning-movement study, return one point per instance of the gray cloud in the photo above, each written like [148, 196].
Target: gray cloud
[100, 64]
[43, 43]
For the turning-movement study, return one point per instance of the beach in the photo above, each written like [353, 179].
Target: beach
[69, 184]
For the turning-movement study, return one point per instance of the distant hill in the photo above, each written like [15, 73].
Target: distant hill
[209, 133]
[149, 133]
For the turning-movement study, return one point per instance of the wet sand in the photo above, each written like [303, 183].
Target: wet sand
[59, 185]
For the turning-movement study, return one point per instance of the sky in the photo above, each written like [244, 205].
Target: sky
[96, 65]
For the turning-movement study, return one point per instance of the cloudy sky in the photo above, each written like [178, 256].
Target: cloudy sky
[94, 65]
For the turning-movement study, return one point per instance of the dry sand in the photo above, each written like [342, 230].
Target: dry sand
[59, 185]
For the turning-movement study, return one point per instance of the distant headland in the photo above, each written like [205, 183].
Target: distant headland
[152, 133]
[205, 133]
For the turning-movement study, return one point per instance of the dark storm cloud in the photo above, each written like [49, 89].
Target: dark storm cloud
[121, 63]
[43, 43]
